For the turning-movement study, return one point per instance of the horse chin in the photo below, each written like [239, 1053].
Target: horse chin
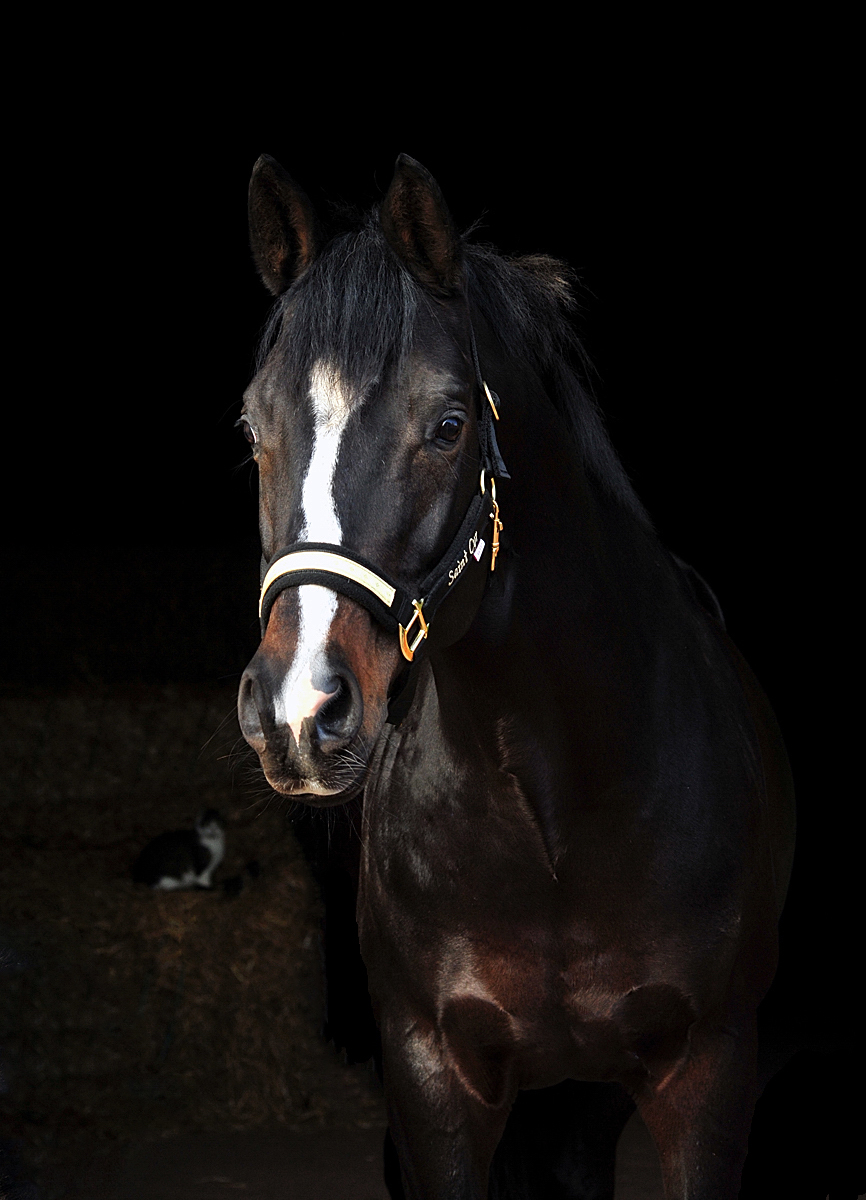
[328, 788]
[332, 799]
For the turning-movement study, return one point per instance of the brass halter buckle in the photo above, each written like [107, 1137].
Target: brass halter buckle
[409, 651]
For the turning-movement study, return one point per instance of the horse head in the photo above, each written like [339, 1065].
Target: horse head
[369, 425]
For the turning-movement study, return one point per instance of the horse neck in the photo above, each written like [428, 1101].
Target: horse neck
[585, 546]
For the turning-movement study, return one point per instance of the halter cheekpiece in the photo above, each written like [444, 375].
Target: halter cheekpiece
[351, 575]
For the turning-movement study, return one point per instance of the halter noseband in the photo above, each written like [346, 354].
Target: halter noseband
[351, 575]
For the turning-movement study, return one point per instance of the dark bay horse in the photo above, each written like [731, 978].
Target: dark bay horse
[577, 815]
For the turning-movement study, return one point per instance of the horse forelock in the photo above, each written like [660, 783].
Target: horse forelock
[354, 308]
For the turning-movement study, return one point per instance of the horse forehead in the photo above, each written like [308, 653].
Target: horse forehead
[332, 396]
[424, 375]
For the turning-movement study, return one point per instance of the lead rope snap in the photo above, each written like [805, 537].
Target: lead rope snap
[494, 517]
[497, 525]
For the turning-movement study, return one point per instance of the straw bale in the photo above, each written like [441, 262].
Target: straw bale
[126, 1012]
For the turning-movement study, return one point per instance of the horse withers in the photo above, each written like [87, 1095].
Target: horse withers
[577, 822]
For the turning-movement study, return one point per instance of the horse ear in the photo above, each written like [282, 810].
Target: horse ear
[419, 228]
[284, 233]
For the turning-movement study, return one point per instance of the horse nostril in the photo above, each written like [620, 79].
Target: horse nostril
[249, 714]
[339, 718]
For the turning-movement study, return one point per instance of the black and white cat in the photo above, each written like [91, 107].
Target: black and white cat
[183, 858]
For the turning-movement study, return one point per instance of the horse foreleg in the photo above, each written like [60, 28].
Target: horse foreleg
[699, 1114]
[447, 1109]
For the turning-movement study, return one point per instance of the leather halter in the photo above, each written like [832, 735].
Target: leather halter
[351, 575]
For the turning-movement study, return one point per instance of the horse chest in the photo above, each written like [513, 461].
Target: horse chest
[522, 995]
[468, 921]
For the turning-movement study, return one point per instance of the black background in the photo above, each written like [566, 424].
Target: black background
[700, 210]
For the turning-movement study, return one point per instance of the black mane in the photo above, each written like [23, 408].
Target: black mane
[529, 302]
[356, 306]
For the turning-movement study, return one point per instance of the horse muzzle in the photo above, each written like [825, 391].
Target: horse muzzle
[313, 717]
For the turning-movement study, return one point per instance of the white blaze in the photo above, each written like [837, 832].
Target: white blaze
[298, 698]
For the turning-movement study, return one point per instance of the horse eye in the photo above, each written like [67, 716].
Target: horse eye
[247, 430]
[449, 430]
